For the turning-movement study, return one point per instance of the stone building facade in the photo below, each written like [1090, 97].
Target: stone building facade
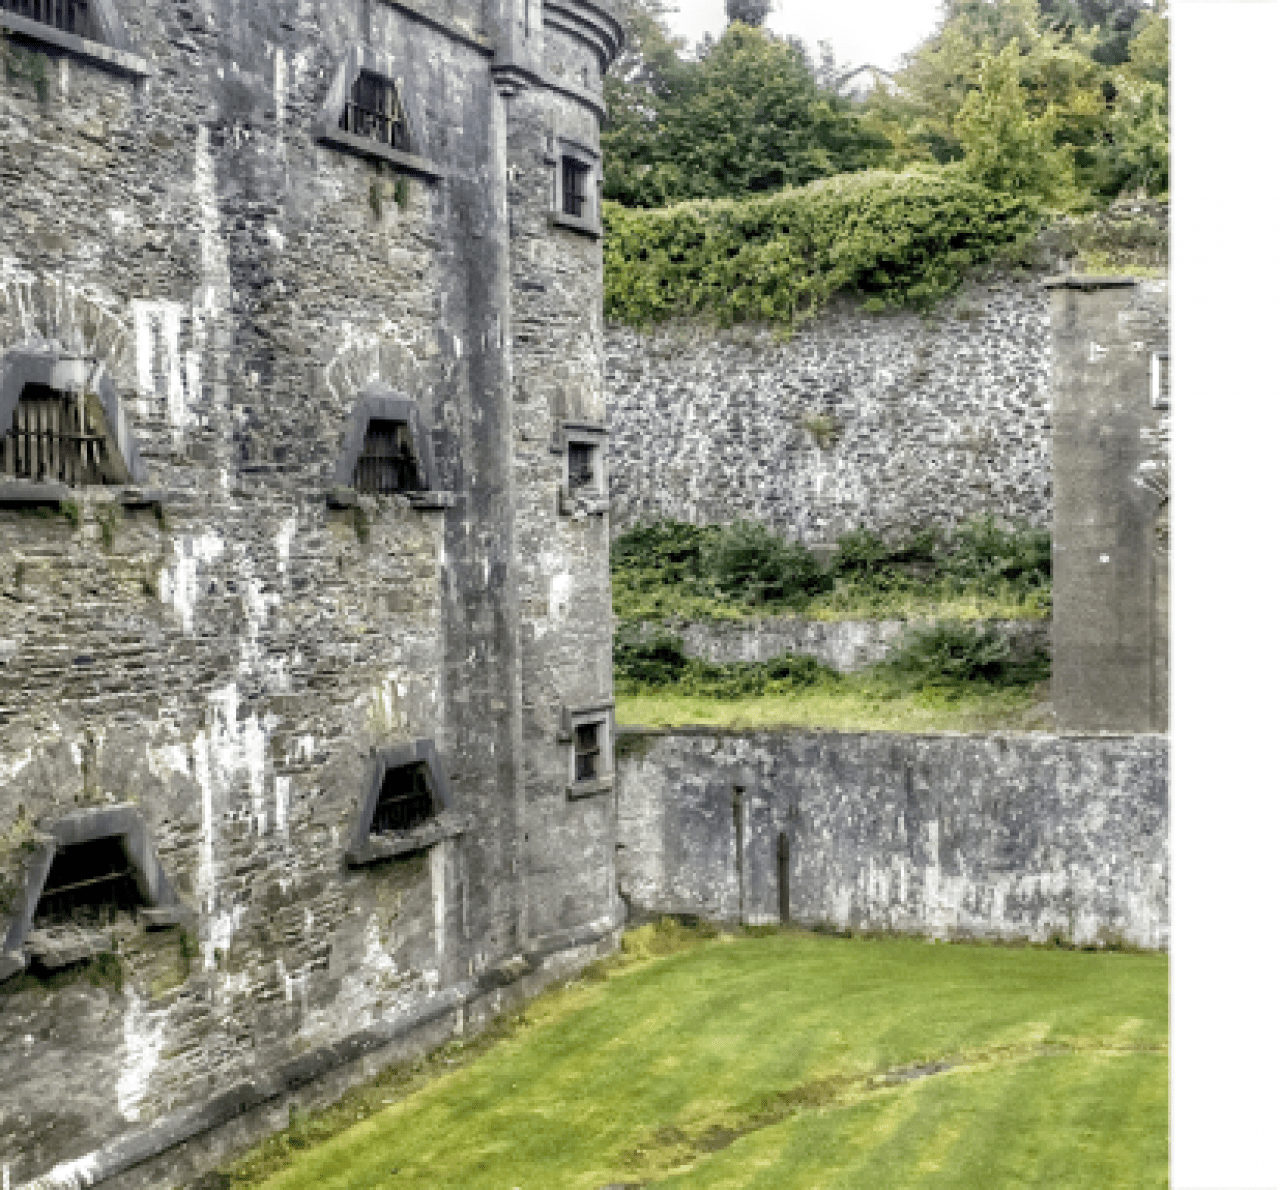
[305, 677]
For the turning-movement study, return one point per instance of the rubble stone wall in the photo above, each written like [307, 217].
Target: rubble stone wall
[228, 646]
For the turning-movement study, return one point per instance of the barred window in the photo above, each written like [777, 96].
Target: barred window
[57, 436]
[374, 110]
[387, 463]
[574, 186]
[405, 801]
[89, 884]
[71, 16]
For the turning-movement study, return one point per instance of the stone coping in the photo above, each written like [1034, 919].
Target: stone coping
[1090, 281]
[709, 731]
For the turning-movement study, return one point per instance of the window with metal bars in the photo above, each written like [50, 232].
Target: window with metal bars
[71, 16]
[374, 110]
[586, 751]
[405, 801]
[387, 463]
[582, 466]
[89, 884]
[574, 178]
[56, 436]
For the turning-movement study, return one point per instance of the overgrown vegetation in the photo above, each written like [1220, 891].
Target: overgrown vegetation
[895, 239]
[741, 186]
[700, 1058]
[983, 570]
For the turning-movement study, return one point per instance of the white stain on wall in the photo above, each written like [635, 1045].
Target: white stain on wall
[183, 582]
[143, 1039]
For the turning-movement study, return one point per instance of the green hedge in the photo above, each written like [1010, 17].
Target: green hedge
[895, 239]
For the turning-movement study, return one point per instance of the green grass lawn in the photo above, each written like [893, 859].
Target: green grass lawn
[1021, 708]
[785, 1060]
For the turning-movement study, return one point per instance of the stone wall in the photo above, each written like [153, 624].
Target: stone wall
[1013, 836]
[878, 420]
[226, 644]
[844, 645]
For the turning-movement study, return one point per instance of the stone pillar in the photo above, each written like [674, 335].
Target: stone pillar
[1110, 628]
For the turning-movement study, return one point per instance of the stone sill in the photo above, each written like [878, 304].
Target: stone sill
[586, 227]
[143, 498]
[364, 146]
[54, 950]
[166, 917]
[93, 51]
[567, 505]
[342, 498]
[584, 789]
[448, 825]
[26, 494]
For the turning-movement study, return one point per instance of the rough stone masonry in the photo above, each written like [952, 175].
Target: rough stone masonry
[304, 600]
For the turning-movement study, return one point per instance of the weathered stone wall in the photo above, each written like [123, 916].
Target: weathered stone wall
[1110, 558]
[226, 660]
[883, 421]
[844, 645]
[1016, 836]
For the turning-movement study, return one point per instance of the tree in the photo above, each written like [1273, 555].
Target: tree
[1005, 148]
[748, 117]
[749, 12]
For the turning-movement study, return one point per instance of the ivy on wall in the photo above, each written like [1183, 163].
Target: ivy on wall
[894, 239]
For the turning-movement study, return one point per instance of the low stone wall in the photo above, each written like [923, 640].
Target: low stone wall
[845, 645]
[1000, 836]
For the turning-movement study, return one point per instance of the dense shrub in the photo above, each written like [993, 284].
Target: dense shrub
[661, 664]
[983, 555]
[895, 239]
[748, 563]
[952, 654]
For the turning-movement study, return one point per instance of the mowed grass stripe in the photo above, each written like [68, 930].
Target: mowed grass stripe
[1078, 1120]
[755, 1049]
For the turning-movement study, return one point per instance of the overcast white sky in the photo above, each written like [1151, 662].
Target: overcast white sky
[876, 31]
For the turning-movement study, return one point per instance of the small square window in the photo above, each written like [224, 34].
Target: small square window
[575, 178]
[583, 485]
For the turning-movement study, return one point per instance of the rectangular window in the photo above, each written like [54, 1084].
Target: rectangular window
[1159, 380]
[575, 176]
[582, 466]
[55, 436]
[374, 110]
[586, 751]
[387, 463]
[71, 16]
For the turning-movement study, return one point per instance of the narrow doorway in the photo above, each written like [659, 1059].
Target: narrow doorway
[784, 878]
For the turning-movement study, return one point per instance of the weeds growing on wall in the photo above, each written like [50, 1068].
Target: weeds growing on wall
[673, 570]
[902, 239]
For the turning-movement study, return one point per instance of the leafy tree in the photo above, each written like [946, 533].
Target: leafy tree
[749, 12]
[1005, 148]
[749, 117]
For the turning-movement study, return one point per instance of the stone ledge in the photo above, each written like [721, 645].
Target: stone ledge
[448, 825]
[93, 51]
[64, 946]
[586, 227]
[584, 789]
[364, 146]
[1088, 281]
[18, 492]
[343, 498]
[166, 917]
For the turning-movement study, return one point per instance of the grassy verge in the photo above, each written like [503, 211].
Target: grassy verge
[1013, 709]
[783, 1060]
